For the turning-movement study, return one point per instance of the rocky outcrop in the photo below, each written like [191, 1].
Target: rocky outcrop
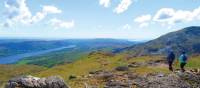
[169, 81]
[35, 82]
[193, 78]
[177, 79]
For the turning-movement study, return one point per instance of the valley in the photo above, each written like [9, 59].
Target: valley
[99, 43]
[107, 63]
[54, 52]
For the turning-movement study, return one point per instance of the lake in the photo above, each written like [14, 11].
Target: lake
[15, 58]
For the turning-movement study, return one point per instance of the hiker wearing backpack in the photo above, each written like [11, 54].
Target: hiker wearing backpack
[170, 59]
[183, 61]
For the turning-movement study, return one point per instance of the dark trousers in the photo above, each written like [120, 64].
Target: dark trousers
[170, 65]
[182, 65]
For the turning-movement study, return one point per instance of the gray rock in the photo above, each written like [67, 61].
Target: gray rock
[116, 84]
[168, 81]
[122, 68]
[104, 75]
[35, 82]
[191, 78]
[151, 80]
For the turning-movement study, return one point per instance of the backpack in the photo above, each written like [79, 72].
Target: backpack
[184, 57]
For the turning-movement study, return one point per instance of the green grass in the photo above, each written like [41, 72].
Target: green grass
[145, 58]
[54, 58]
[93, 62]
[81, 67]
[96, 61]
[192, 63]
[148, 69]
[60, 57]
[9, 71]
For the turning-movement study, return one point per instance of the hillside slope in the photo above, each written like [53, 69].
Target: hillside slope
[187, 39]
[100, 69]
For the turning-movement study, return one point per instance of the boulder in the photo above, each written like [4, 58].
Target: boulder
[122, 68]
[35, 82]
[104, 75]
[116, 84]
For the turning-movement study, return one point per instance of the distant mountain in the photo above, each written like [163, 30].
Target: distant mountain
[10, 47]
[82, 47]
[187, 39]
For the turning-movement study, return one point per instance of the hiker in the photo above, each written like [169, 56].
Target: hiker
[170, 59]
[182, 60]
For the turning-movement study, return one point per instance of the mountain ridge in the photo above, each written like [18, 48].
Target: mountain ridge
[186, 39]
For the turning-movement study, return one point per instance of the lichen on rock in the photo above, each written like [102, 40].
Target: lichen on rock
[35, 82]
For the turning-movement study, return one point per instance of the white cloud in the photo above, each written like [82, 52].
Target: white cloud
[18, 12]
[123, 6]
[7, 23]
[164, 14]
[38, 17]
[56, 23]
[46, 10]
[126, 26]
[51, 9]
[196, 13]
[143, 20]
[171, 16]
[142, 25]
[105, 3]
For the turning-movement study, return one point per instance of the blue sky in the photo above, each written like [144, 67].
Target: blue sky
[123, 19]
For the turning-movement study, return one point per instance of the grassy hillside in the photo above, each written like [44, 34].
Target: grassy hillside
[54, 58]
[95, 61]
[10, 71]
[64, 56]
[107, 62]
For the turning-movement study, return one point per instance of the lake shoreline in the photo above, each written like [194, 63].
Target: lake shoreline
[15, 58]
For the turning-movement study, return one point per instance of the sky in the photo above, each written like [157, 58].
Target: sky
[119, 19]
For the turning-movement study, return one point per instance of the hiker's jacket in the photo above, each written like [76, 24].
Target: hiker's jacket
[171, 57]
